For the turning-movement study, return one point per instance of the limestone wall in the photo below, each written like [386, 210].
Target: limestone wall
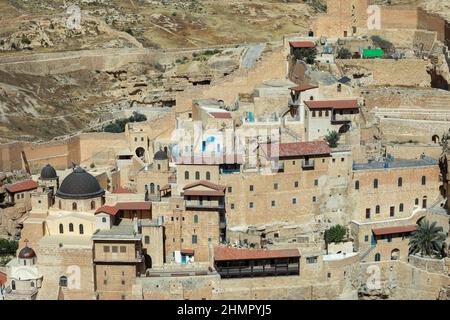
[271, 66]
[390, 72]
[85, 149]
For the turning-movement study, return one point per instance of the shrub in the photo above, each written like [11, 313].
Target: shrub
[336, 233]
[384, 44]
[8, 247]
[344, 53]
[332, 138]
[25, 40]
[118, 126]
[306, 54]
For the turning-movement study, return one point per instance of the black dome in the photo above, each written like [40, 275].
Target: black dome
[27, 253]
[160, 155]
[48, 173]
[80, 185]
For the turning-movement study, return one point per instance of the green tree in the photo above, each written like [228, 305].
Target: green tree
[382, 43]
[336, 233]
[332, 138]
[306, 54]
[344, 53]
[8, 247]
[428, 240]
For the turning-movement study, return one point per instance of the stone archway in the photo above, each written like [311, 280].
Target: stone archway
[435, 139]
[148, 261]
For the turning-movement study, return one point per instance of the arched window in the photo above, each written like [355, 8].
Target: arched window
[395, 254]
[375, 183]
[400, 182]
[147, 239]
[61, 228]
[186, 175]
[377, 257]
[152, 188]
[196, 219]
[92, 205]
[208, 175]
[70, 227]
[401, 207]
[159, 166]
[74, 206]
[63, 281]
[32, 284]
[81, 229]
[357, 185]
[377, 209]
[197, 175]
[13, 285]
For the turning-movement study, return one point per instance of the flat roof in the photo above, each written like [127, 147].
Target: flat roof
[332, 104]
[296, 149]
[124, 231]
[426, 161]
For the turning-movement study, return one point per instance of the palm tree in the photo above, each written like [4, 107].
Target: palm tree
[428, 240]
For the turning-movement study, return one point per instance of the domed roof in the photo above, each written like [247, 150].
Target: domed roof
[27, 253]
[80, 185]
[48, 173]
[160, 155]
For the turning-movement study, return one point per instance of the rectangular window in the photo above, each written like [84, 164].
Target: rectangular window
[115, 249]
[194, 239]
[273, 203]
[275, 186]
[294, 200]
[105, 249]
[392, 211]
[250, 205]
[366, 238]
[314, 199]
[316, 182]
[368, 213]
[296, 184]
[293, 163]
[230, 189]
[400, 207]
[310, 260]
[232, 206]
[123, 249]
[251, 187]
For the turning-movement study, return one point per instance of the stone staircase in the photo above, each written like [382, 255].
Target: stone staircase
[366, 253]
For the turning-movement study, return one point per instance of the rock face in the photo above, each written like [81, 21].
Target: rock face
[9, 216]
[444, 294]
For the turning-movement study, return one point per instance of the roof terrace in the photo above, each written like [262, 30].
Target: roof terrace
[424, 162]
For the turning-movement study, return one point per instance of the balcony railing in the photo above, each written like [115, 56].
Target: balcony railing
[204, 204]
[308, 164]
[259, 271]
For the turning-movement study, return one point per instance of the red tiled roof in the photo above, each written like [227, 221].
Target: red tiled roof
[113, 210]
[229, 254]
[304, 87]
[217, 190]
[122, 190]
[332, 104]
[392, 230]
[213, 160]
[3, 278]
[302, 44]
[22, 186]
[297, 149]
[165, 187]
[205, 183]
[221, 115]
[189, 252]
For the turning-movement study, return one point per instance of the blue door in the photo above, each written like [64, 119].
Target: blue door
[374, 240]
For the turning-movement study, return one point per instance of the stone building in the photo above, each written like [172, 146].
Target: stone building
[23, 276]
